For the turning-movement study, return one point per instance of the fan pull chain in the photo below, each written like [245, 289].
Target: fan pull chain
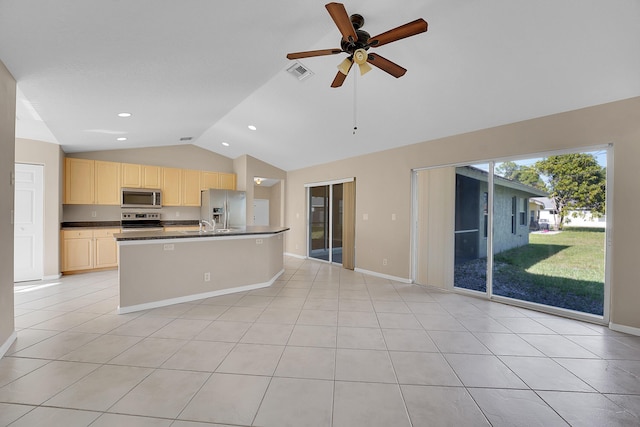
[355, 103]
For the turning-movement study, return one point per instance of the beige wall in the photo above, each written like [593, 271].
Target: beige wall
[247, 168]
[384, 187]
[7, 170]
[261, 192]
[186, 156]
[274, 195]
[50, 156]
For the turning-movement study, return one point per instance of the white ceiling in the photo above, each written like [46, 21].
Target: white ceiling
[207, 69]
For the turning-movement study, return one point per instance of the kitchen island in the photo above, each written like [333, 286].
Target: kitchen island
[160, 268]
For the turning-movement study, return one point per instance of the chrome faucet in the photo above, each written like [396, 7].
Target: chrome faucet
[204, 223]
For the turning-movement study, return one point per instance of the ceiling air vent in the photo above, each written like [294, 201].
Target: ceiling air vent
[186, 138]
[300, 71]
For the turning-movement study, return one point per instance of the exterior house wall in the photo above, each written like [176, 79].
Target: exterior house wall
[503, 237]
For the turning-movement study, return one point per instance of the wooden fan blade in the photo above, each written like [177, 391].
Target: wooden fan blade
[385, 65]
[343, 22]
[310, 53]
[407, 30]
[340, 78]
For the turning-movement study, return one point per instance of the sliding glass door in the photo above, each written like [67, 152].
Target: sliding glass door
[471, 227]
[530, 231]
[549, 231]
[326, 205]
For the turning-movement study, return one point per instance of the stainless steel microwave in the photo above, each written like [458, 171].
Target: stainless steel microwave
[141, 198]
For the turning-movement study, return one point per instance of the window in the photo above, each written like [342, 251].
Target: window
[485, 203]
[523, 211]
[514, 207]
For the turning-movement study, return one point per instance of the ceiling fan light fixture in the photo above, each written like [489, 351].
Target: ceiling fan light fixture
[364, 68]
[345, 66]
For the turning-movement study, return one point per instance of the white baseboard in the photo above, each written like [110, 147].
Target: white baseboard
[5, 346]
[189, 298]
[52, 277]
[295, 255]
[384, 276]
[623, 328]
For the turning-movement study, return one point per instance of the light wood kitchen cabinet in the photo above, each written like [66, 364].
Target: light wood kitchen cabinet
[151, 176]
[79, 181]
[106, 248]
[96, 182]
[171, 187]
[107, 183]
[131, 175]
[84, 250]
[190, 187]
[77, 250]
[227, 181]
[209, 180]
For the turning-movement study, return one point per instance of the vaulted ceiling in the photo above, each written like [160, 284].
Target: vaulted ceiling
[207, 69]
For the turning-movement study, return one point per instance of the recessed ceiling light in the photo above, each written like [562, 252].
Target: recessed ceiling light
[124, 114]
[252, 127]
[122, 138]
[226, 144]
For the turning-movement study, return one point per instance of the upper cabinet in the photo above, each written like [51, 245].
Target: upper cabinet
[190, 187]
[227, 181]
[131, 175]
[209, 180]
[89, 182]
[79, 181]
[107, 183]
[151, 176]
[171, 187]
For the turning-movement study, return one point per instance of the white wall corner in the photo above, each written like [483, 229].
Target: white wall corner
[5, 346]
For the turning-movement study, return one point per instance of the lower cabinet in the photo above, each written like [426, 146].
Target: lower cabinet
[84, 250]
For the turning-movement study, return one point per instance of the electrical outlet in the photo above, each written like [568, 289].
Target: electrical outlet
[384, 261]
[177, 214]
[258, 241]
[168, 247]
[393, 217]
[94, 214]
[207, 277]
[365, 217]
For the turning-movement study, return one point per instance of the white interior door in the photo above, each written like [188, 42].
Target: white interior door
[28, 223]
[261, 211]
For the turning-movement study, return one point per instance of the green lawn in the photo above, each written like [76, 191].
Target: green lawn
[564, 269]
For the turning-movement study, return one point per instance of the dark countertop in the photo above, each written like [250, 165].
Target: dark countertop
[116, 224]
[90, 224]
[158, 235]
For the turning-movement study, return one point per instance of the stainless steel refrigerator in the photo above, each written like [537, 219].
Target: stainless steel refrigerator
[226, 207]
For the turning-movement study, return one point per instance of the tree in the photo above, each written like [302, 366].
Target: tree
[574, 182]
[524, 174]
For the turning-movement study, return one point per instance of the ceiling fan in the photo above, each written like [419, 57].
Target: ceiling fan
[357, 42]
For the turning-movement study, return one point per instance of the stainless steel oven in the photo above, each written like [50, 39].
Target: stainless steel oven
[140, 221]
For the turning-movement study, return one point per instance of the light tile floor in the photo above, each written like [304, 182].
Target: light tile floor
[323, 346]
